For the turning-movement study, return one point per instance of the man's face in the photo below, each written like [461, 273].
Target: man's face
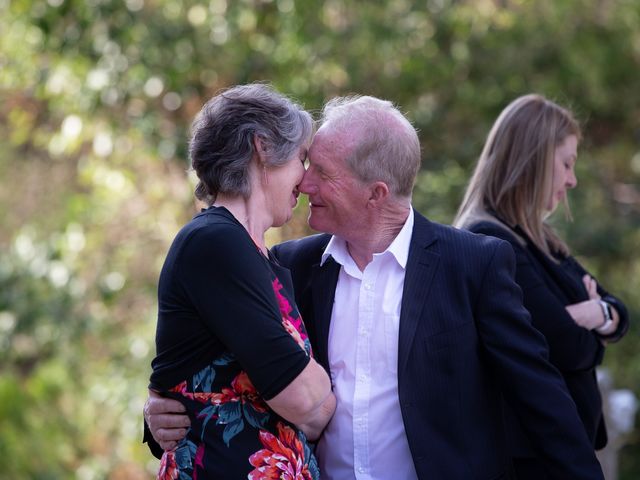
[337, 199]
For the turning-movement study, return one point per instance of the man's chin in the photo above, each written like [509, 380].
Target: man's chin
[314, 224]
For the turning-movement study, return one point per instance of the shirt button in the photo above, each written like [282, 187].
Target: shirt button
[361, 469]
[367, 286]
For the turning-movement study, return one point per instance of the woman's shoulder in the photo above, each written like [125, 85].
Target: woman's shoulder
[491, 226]
[215, 231]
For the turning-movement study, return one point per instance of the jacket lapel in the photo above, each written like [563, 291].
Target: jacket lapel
[422, 264]
[323, 287]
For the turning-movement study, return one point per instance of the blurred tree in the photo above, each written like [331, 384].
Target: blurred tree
[96, 98]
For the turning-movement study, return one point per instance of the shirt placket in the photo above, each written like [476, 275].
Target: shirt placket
[362, 391]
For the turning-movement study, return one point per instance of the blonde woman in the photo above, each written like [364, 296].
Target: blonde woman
[524, 172]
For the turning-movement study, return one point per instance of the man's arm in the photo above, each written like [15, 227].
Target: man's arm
[306, 402]
[533, 387]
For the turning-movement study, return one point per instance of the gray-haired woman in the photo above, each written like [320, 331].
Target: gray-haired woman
[231, 346]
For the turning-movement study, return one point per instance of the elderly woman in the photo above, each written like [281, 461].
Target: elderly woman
[231, 346]
[524, 172]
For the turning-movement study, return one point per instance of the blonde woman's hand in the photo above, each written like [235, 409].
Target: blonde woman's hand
[591, 286]
[588, 314]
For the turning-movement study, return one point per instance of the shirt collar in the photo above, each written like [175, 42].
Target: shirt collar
[399, 248]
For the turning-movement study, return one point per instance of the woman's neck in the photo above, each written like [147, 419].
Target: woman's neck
[250, 213]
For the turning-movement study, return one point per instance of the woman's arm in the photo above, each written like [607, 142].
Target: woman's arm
[619, 314]
[233, 291]
[308, 401]
[594, 314]
[571, 347]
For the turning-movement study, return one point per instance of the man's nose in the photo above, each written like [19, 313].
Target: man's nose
[307, 186]
[572, 180]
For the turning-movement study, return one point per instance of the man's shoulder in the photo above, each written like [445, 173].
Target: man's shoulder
[451, 238]
[306, 249]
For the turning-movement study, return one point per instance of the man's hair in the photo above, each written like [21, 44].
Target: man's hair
[386, 145]
[222, 140]
[514, 174]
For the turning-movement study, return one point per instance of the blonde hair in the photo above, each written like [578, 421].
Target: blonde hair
[514, 175]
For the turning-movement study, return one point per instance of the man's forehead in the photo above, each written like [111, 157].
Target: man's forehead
[332, 141]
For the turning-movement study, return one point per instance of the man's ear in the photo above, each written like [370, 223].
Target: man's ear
[379, 192]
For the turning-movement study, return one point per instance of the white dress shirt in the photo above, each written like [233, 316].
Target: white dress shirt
[366, 439]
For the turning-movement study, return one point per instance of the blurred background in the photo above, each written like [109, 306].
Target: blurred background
[96, 98]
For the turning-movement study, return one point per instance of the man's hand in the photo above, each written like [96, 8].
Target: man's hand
[166, 420]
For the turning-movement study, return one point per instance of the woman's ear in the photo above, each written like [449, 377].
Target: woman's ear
[260, 148]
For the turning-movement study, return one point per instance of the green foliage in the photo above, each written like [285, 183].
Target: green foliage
[97, 97]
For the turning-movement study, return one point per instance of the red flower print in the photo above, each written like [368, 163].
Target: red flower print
[281, 459]
[283, 303]
[201, 397]
[168, 467]
[199, 460]
[293, 325]
[293, 331]
[180, 388]
[241, 390]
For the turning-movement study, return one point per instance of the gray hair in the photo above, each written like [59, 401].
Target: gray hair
[222, 139]
[387, 147]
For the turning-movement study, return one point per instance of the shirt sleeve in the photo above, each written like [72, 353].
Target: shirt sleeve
[230, 285]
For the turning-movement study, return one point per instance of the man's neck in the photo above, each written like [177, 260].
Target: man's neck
[378, 238]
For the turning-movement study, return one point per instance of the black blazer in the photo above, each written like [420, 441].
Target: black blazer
[547, 288]
[465, 340]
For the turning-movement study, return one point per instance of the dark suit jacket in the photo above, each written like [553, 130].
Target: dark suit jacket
[548, 287]
[465, 340]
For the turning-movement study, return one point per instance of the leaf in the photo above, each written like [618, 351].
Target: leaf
[231, 430]
[255, 418]
[183, 457]
[207, 413]
[203, 380]
[225, 359]
[229, 412]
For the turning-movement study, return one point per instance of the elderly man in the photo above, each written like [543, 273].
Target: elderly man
[420, 325]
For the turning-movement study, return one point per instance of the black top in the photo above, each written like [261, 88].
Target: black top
[548, 286]
[229, 336]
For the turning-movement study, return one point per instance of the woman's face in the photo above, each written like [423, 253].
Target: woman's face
[282, 186]
[564, 176]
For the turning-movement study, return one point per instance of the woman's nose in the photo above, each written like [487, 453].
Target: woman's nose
[306, 185]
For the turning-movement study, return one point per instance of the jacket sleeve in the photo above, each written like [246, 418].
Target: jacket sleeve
[616, 303]
[572, 348]
[531, 384]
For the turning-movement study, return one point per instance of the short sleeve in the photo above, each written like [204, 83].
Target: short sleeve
[230, 285]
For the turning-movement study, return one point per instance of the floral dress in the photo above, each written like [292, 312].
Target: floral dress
[229, 336]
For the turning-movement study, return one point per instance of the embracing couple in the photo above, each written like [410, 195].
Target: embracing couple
[388, 347]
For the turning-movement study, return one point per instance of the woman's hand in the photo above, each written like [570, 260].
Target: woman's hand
[589, 314]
